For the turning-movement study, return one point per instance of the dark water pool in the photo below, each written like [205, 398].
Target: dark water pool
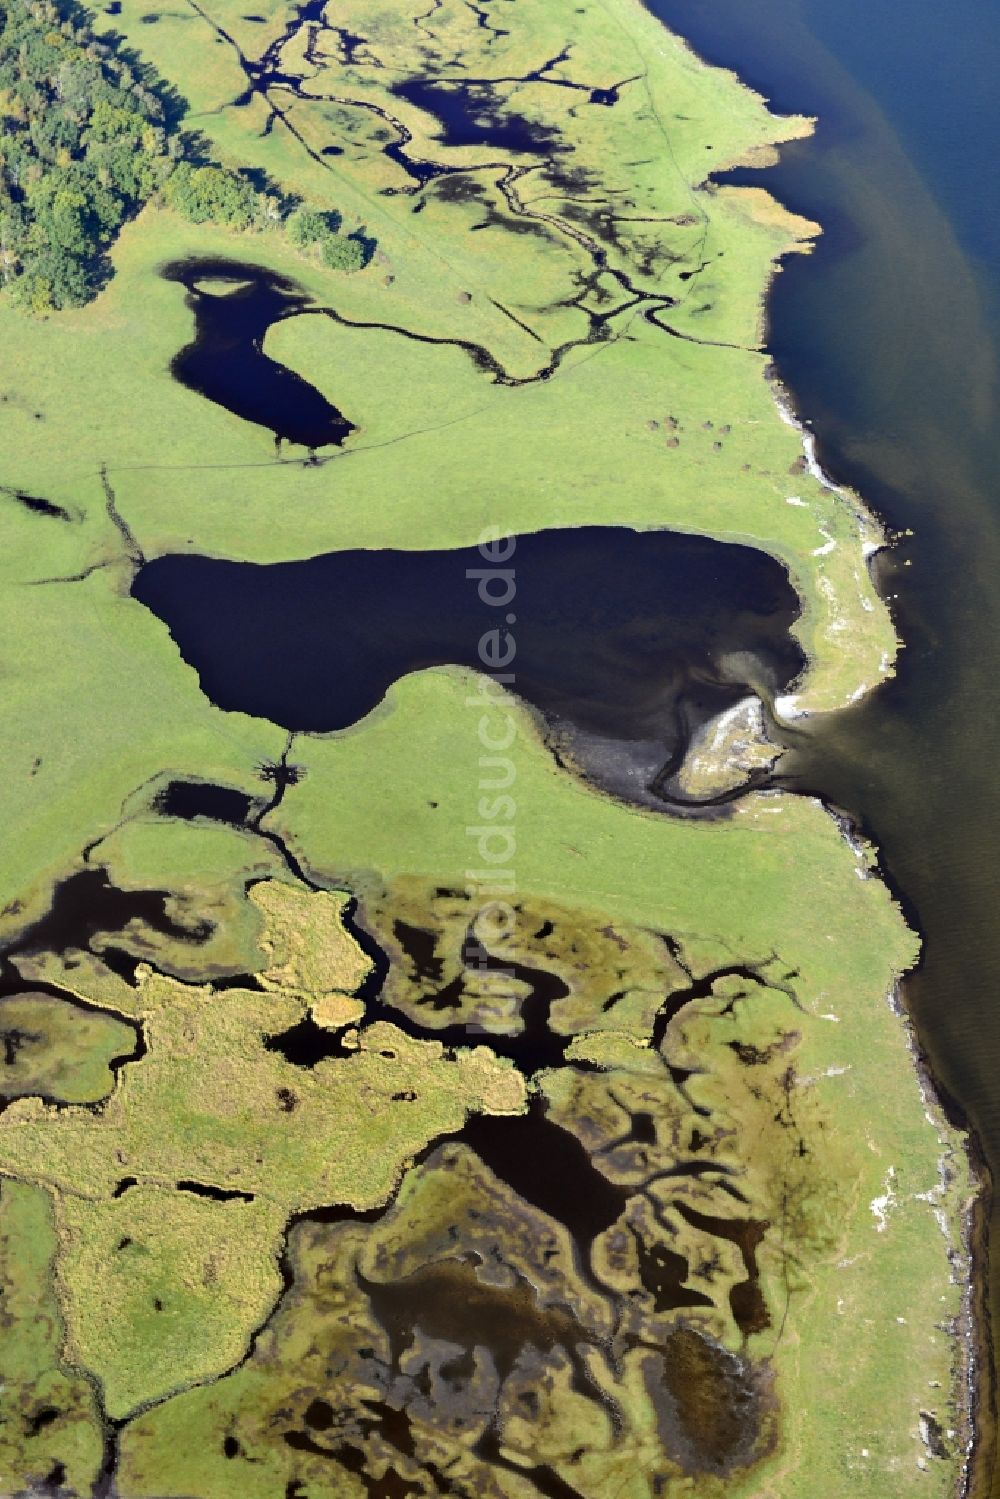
[234, 305]
[632, 636]
[469, 114]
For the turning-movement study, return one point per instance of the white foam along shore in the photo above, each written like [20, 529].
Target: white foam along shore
[872, 537]
[963, 1230]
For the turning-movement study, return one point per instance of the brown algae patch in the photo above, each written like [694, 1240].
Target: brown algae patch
[456, 961]
[403, 1354]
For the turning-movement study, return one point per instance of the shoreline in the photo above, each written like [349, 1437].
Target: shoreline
[973, 1367]
[873, 532]
[879, 539]
[974, 1364]
[982, 1371]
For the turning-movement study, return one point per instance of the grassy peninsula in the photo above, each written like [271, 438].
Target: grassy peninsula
[391, 1111]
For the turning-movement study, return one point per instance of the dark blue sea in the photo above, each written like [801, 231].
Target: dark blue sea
[888, 338]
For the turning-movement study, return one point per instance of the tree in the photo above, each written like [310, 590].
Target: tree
[310, 229]
[309, 226]
[86, 139]
[213, 194]
[342, 253]
[79, 152]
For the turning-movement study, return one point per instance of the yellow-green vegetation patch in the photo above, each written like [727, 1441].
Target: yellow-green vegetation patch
[162, 1288]
[211, 1103]
[308, 950]
[212, 1107]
